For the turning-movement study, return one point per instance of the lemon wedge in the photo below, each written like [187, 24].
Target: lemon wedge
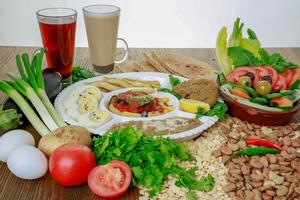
[191, 106]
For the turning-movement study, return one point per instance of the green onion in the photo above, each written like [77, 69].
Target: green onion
[36, 80]
[24, 106]
[9, 119]
[24, 88]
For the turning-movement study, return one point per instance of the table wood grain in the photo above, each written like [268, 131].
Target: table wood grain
[13, 188]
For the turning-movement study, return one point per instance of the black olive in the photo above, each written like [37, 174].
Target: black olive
[144, 114]
[273, 104]
[249, 84]
[251, 75]
[267, 78]
[275, 91]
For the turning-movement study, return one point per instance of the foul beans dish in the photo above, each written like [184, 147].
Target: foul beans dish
[139, 104]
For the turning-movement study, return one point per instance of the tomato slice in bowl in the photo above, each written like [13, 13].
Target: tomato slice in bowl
[281, 84]
[111, 180]
[288, 75]
[296, 76]
[273, 73]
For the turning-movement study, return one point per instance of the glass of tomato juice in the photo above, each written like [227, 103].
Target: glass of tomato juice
[57, 27]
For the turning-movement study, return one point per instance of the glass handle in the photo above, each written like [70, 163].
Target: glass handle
[125, 47]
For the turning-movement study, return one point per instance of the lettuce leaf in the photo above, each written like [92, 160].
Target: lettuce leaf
[225, 62]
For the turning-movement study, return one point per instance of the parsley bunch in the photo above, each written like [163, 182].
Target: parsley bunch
[151, 159]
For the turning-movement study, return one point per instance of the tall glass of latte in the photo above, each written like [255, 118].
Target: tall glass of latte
[101, 22]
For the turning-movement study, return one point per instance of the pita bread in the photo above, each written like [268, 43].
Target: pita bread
[144, 66]
[155, 63]
[129, 66]
[182, 65]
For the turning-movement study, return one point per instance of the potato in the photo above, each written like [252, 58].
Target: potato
[64, 135]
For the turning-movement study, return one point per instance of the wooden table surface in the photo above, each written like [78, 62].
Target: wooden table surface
[13, 188]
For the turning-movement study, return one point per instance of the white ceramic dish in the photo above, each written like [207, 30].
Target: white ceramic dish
[164, 81]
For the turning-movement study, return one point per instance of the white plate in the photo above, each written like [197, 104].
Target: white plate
[164, 81]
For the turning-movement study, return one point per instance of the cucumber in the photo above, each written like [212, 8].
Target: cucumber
[286, 92]
[251, 91]
[259, 100]
[272, 95]
[222, 79]
[295, 85]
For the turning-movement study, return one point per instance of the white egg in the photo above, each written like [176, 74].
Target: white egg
[13, 139]
[27, 162]
[94, 119]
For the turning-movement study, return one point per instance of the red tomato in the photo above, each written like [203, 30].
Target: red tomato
[273, 73]
[111, 180]
[70, 164]
[296, 76]
[288, 75]
[241, 71]
[281, 83]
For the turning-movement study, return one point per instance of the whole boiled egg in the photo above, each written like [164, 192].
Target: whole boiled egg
[13, 139]
[27, 162]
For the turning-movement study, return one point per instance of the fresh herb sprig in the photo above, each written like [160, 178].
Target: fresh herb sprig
[173, 81]
[151, 159]
[218, 110]
[80, 73]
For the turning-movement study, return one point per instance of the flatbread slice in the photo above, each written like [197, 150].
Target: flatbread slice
[155, 63]
[129, 66]
[144, 66]
[182, 65]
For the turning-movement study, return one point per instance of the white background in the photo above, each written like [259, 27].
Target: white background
[164, 23]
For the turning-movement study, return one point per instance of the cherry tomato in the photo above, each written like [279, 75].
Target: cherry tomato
[263, 87]
[296, 76]
[70, 164]
[281, 83]
[111, 180]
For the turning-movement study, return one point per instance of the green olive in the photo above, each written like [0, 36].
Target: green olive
[263, 87]
[245, 81]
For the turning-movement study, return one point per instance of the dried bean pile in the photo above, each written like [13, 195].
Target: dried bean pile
[273, 176]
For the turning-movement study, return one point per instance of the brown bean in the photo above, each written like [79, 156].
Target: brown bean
[245, 169]
[255, 184]
[229, 187]
[285, 169]
[239, 184]
[296, 142]
[264, 161]
[274, 167]
[233, 147]
[279, 158]
[239, 160]
[297, 189]
[280, 132]
[224, 129]
[225, 150]
[266, 196]
[257, 194]
[281, 190]
[256, 177]
[272, 158]
[292, 179]
[242, 144]
[287, 156]
[271, 193]
[286, 183]
[240, 194]
[235, 171]
[254, 163]
[249, 195]
[293, 126]
[268, 184]
[284, 163]
[265, 172]
[290, 150]
[291, 189]
[295, 165]
[286, 131]
[286, 141]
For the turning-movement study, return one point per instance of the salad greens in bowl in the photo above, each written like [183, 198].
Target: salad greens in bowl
[256, 85]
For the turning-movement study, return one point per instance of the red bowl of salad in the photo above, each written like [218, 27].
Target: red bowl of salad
[258, 87]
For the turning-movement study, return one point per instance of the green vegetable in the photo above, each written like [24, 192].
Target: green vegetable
[253, 152]
[24, 106]
[9, 119]
[251, 91]
[273, 95]
[222, 79]
[242, 57]
[286, 92]
[259, 100]
[224, 60]
[218, 110]
[80, 73]
[295, 85]
[167, 90]
[174, 81]
[151, 159]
